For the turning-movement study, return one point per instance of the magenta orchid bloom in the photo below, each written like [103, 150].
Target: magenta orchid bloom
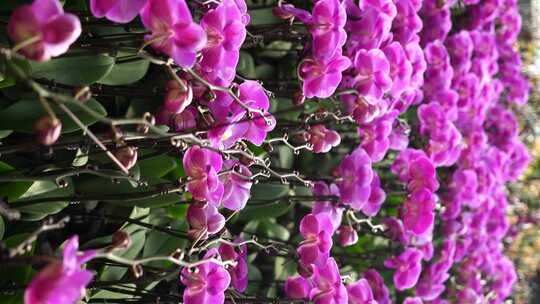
[322, 77]
[232, 122]
[237, 188]
[173, 30]
[207, 283]
[327, 284]
[252, 94]
[376, 282]
[323, 139]
[334, 211]
[360, 293]
[289, 12]
[418, 211]
[45, 23]
[326, 27]
[202, 166]
[120, 11]
[239, 273]
[317, 231]
[377, 197]
[356, 176]
[203, 221]
[372, 73]
[297, 288]
[411, 300]
[226, 32]
[400, 68]
[408, 268]
[61, 282]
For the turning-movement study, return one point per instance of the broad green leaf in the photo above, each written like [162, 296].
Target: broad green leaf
[285, 157]
[11, 190]
[263, 16]
[162, 244]
[284, 268]
[41, 190]
[144, 196]
[269, 191]
[74, 70]
[126, 73]
[272, 210]
[276, 49]
[80, 159]
[274, 230]
[109, 295]
[261, 205]
[112, 273]
[7, 82]
[5, 133]
[157, 166]
[265, 72]
[246, 65]
[178, 212]
[22, 115]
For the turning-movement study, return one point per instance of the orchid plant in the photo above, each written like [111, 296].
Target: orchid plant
[239, 151]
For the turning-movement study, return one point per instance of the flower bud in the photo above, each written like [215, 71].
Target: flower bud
[347, 236]
[82, 94]
[137, 271]
[179, 96]
[298, 98]
[121, 240]
[47, 130]
[127, 156]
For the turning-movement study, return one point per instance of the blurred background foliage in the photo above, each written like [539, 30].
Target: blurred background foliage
[525, 214]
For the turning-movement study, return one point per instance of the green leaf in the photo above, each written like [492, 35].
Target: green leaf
[22, 115]
[161, 244]
[80, 159]
[274, 230]
[269, 191]
[276, 49]
[97, 186]
[75, 70]
[285, 157]
[107, 294]
[5, 133]
[272, 210]
[126, 73]
[265, 71]
[11, 190]
[157, 166]
[246, 65]
[259, 209]
[263, 16]
[41, 190]
[112, 273]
